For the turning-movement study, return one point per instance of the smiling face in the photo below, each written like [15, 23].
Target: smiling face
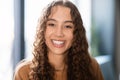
[59, 30]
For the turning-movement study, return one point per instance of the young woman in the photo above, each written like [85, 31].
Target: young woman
[61, 48]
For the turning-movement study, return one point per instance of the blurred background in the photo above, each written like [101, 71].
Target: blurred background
[18, 21]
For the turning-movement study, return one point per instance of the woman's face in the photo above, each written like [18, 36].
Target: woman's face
[59, 30]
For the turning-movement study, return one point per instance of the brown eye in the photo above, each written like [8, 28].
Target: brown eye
[68, 26]
[51, 24]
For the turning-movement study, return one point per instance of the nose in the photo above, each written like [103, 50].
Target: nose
[59, 31]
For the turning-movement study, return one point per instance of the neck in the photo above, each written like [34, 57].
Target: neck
[57, 61]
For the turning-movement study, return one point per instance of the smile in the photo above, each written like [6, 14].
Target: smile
[58, 43]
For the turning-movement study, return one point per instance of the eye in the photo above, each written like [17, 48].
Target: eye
[51, 24]
[69, 26]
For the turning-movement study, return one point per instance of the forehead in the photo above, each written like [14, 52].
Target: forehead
[60, 7]
[60, 12]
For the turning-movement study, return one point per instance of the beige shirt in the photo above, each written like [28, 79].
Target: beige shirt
[23, 68]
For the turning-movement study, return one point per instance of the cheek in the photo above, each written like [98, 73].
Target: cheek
[69, 35]
[46, 38]
[70, 41]
[70, 38]
[47, 33]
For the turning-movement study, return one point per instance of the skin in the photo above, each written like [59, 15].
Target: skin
[58, 35]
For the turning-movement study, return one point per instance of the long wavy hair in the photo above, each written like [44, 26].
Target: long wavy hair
[78, 59]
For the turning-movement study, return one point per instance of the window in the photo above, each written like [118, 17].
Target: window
[6, 40]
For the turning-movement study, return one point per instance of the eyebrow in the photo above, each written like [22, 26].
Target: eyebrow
[49, 19]
[67, 21]
[70, 21]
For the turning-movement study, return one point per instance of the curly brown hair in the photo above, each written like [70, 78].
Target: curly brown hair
[78, 59]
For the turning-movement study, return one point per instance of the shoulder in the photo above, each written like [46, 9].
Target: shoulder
[96, 69]
[22, 70]
[94, 62]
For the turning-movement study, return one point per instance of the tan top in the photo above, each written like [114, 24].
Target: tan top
[23, 68]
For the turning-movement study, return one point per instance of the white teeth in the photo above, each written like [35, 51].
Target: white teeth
[58, 42]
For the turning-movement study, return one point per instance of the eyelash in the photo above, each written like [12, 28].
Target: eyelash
[68, 26]
[51, 24]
